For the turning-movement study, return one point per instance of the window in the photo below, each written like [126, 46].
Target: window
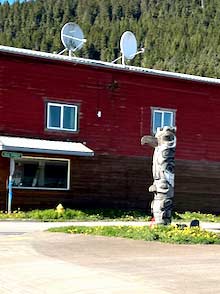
[44, 173]
[162, 118]
[62, 117]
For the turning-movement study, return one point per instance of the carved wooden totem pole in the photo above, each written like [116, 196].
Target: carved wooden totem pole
[164, 143]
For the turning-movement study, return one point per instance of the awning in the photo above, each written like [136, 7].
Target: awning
[19, 144]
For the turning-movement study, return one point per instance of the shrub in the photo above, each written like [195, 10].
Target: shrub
[100, 214]
[77, 215]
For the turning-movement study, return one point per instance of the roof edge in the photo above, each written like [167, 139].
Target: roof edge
[91, 62]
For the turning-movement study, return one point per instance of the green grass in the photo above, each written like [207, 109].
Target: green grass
[167, 234]
[188, 216]
[101, 214]
[78, 215]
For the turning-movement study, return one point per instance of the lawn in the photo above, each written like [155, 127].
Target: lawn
[167, 234]
[101, 214]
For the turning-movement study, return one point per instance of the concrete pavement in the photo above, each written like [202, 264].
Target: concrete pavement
[47, 263]
[20, 227]
[37, 262]
[12, 227]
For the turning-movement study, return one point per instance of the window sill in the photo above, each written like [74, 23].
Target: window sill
[40, 188]
[54, 130]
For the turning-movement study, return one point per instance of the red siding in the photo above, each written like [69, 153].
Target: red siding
[27, 83]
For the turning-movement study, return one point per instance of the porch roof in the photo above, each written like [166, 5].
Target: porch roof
[19, 144]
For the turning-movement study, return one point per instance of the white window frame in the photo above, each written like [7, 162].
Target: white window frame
[155, 110]
[46, 188]
[61, 128]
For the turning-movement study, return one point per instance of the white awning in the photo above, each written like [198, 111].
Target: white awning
[18, 144]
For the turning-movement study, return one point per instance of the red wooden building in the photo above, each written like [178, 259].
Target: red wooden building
[78, 124]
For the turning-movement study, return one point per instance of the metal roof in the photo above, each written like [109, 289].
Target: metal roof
[44, 146]
[51, 56]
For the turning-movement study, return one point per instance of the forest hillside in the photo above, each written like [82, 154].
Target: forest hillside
[178, 35]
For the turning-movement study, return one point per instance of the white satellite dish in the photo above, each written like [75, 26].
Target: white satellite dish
[72, 37]
[128, 45]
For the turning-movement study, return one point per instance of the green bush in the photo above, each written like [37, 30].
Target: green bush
[16, 214]
[167, 234]
[77, 215]
[48, 214]
[101, 214]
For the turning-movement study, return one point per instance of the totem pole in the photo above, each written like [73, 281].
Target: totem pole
[164, 143]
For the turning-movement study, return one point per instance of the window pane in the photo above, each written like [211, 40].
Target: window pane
[25, 174]
[56, 174]
[157, 123]
[33, 173]
[54, 116]
[167, 119]
[69, 118]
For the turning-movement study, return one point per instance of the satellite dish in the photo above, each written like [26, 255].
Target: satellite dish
[128, 45]
[72, 37]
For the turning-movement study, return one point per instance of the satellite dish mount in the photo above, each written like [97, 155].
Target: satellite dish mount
[72, 37]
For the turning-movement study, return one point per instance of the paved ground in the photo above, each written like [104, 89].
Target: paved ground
[41, 262]
[20, 227]
[17, 227]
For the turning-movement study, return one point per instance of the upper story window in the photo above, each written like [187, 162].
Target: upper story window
[162, 117]
[62, 117]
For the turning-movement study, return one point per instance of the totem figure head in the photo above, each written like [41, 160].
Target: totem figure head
[165, 136]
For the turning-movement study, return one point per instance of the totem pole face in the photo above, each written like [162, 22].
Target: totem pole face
[164, 143]
[166, 136]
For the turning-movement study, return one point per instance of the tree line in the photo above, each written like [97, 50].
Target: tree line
[178, 35]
